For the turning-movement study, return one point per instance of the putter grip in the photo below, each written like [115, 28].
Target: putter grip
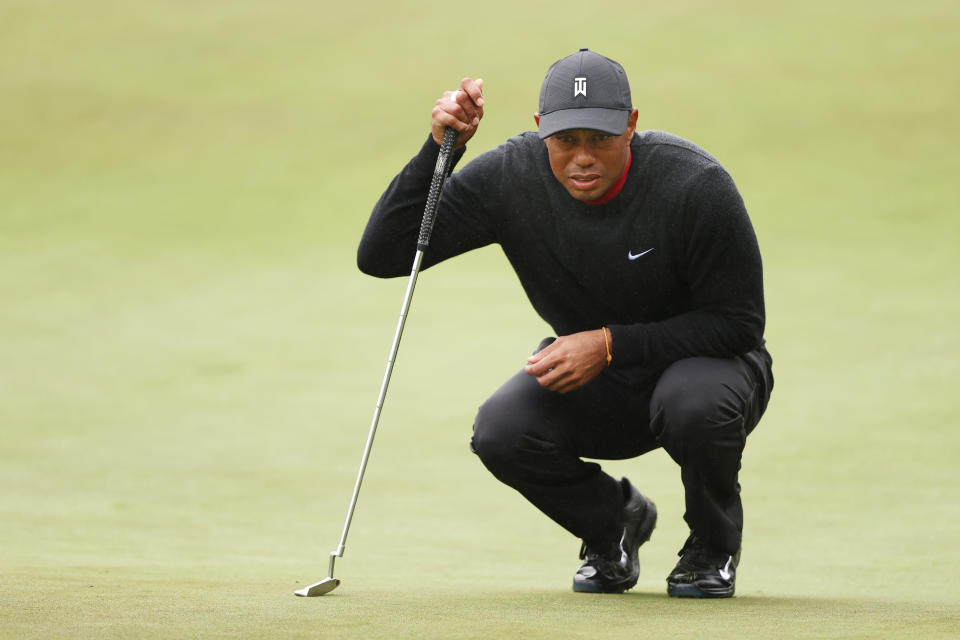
[440, 173]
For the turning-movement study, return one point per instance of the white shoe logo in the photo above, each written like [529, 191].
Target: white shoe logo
[587, 572]
[633, 256]
[725, 571]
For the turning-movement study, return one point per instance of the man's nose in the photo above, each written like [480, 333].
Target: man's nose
[582, 156]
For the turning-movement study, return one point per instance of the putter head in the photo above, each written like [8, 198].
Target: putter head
[324, 586]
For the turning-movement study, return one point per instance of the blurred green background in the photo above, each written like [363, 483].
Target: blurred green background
[189, 358]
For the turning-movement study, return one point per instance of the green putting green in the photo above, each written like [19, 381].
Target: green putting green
[189, 358]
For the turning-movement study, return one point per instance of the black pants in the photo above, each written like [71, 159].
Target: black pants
[700, 411]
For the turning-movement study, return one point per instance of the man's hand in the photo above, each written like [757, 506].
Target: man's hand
[461, 110]
[569, 362]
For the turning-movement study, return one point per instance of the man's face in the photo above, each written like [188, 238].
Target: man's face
[587, 162]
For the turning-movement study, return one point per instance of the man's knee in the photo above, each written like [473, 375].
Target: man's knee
[694, 405]
[494, 432]
[511, 435]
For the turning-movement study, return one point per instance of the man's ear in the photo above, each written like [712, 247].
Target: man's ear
[536, 118]
[632, 122]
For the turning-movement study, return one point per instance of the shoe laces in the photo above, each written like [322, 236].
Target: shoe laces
[695, 555]
[691, 546]
[611, 553]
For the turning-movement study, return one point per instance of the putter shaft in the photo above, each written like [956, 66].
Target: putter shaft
[440, 174]
[395, 347]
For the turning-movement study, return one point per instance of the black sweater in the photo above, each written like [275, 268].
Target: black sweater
[670, 265]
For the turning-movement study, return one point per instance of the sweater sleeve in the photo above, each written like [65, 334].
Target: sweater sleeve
[389, 241]
[723, 271]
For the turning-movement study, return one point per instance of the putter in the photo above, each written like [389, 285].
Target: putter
[440, 174]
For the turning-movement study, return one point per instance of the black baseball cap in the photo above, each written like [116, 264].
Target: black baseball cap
[585, 91]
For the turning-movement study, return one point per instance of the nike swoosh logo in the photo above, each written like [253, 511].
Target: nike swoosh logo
[725, 572]
[633, 256]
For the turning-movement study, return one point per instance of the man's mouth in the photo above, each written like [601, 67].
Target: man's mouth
[585, 182]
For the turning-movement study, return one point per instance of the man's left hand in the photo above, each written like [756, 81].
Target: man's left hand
[569, 362]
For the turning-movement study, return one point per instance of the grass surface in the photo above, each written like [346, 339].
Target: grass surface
[189, 358]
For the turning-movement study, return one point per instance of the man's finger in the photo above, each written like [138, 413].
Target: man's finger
[535, 370]
[465, 108]
[473, 89]
[445, 118]
[559, 381]
[548, 379]
[540, 362]
[543, 353]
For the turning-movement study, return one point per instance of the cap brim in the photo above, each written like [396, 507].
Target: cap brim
[612, 121]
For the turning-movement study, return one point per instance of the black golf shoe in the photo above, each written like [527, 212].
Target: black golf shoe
[615, 567]
[702, 572]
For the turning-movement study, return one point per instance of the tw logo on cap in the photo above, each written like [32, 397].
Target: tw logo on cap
[579, 87]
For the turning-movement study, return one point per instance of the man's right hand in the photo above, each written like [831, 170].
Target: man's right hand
[461, 109]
